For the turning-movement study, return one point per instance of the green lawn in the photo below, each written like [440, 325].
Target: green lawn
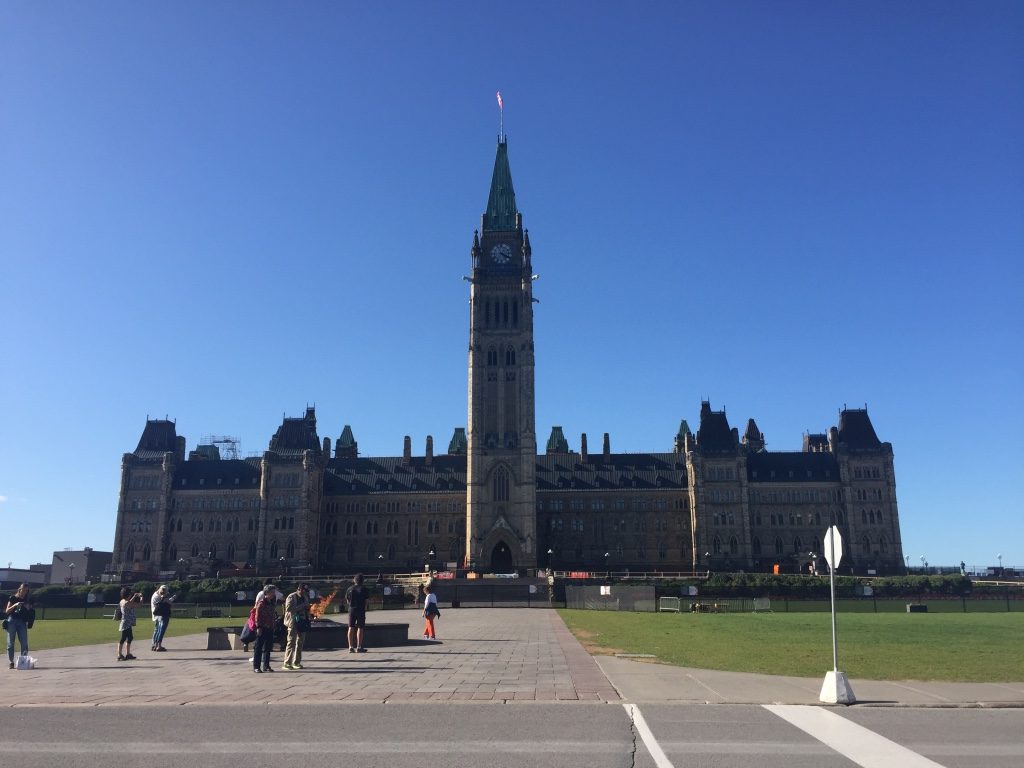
[973, 647]
[60, 633]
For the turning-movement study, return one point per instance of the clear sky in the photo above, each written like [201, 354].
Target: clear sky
[222, 212]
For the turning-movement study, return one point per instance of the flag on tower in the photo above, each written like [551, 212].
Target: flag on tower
[501, 105]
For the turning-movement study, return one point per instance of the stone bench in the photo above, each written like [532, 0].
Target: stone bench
[321, 636]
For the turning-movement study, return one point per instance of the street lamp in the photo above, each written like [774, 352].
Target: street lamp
[999, 557]
[924, 562]
[908, 562]
[71, 567]
[606, 556]
[550, 553]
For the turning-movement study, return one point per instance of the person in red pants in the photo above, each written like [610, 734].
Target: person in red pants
[430, 612]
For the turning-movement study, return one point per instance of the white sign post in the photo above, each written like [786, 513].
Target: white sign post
[836, 688]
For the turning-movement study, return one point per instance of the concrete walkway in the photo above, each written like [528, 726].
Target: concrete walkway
[497, 655]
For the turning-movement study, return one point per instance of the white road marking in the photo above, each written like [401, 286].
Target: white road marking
[650, 742]
[852, 741]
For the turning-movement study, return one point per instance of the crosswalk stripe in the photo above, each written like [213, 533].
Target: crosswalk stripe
[853, 741]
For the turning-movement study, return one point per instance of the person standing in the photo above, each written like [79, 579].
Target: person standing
[129, 601]
[17, 615]
[356, 599]
[266, 619]
[160, 607]
[430, 612]
[296, 620]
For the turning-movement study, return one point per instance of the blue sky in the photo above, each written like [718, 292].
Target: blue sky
[222, 212]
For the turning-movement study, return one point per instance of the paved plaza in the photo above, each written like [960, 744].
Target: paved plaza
[486, 654]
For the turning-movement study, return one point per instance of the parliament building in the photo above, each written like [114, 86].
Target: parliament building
[492, 503]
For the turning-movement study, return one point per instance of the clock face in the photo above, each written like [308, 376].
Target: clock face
[501, 253]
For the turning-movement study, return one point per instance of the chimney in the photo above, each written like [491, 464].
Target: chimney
[607, 449]
[430, 450]
[407, 450]
[583, 448]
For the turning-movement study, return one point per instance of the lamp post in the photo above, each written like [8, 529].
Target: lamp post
[606, 556]
[281, 561]
[999, 557]
[71, 567]
[908, 562]
[550, 553]
[924, 564]
[814, 563]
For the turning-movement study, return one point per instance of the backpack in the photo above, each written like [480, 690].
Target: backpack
[117, 613]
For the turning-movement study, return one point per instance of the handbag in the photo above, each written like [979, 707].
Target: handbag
[5, 625]
[247, 635]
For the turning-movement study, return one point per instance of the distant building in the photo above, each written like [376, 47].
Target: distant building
[79, 566]
[12, 578]
[715, 501]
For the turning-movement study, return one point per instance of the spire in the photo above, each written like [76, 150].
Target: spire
[501, 203]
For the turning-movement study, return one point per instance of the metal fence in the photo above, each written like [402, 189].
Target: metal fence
[613, 597]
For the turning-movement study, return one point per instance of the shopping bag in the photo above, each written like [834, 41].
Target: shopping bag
[25, 662]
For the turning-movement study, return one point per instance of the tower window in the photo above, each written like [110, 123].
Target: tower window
[510, 356]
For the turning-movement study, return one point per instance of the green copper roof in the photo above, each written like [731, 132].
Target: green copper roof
[684, 429]
[557, 442]
[347, 439]
[457, 445]
[501, 203]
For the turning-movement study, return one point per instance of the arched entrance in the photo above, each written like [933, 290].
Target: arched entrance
[501, 558]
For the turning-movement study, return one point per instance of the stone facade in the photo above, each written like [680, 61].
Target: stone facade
[715, 501]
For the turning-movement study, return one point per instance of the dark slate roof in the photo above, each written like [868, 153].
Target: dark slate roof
[501, 202]
[247, 471]
[815, 442]
[791, 467]
[555, 472]
[296, 435]
[159, 437]
[714, 434]
[856, 431]
[395, 475]
[752, 433]
[639, 471]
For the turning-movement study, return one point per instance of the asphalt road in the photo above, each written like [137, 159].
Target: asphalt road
[509, 735]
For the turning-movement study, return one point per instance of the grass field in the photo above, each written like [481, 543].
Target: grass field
[61, 633]
[977, 647]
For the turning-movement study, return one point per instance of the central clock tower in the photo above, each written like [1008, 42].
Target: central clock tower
[501, 509]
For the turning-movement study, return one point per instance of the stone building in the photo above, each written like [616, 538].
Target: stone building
[715, 501]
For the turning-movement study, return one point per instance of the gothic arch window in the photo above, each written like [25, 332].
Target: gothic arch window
[500, 485]
[504, 312]
[755, 546]
[290, 551]
[492, 356]
[330, 552]
[350, 553]
[179, 525]
[129, 554]
[192, 526]
[391, 551]
[195, 550]
[146, 552]
[515, 314]
[371, 553]
[865, 545]
[798, 545]
[252, 551]
[172, 553]
[883, 547]
[510, 356]
[778, 545]
[273, 551]
[231, 551]
[213, 551]
[734, 546]
[716, 546]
